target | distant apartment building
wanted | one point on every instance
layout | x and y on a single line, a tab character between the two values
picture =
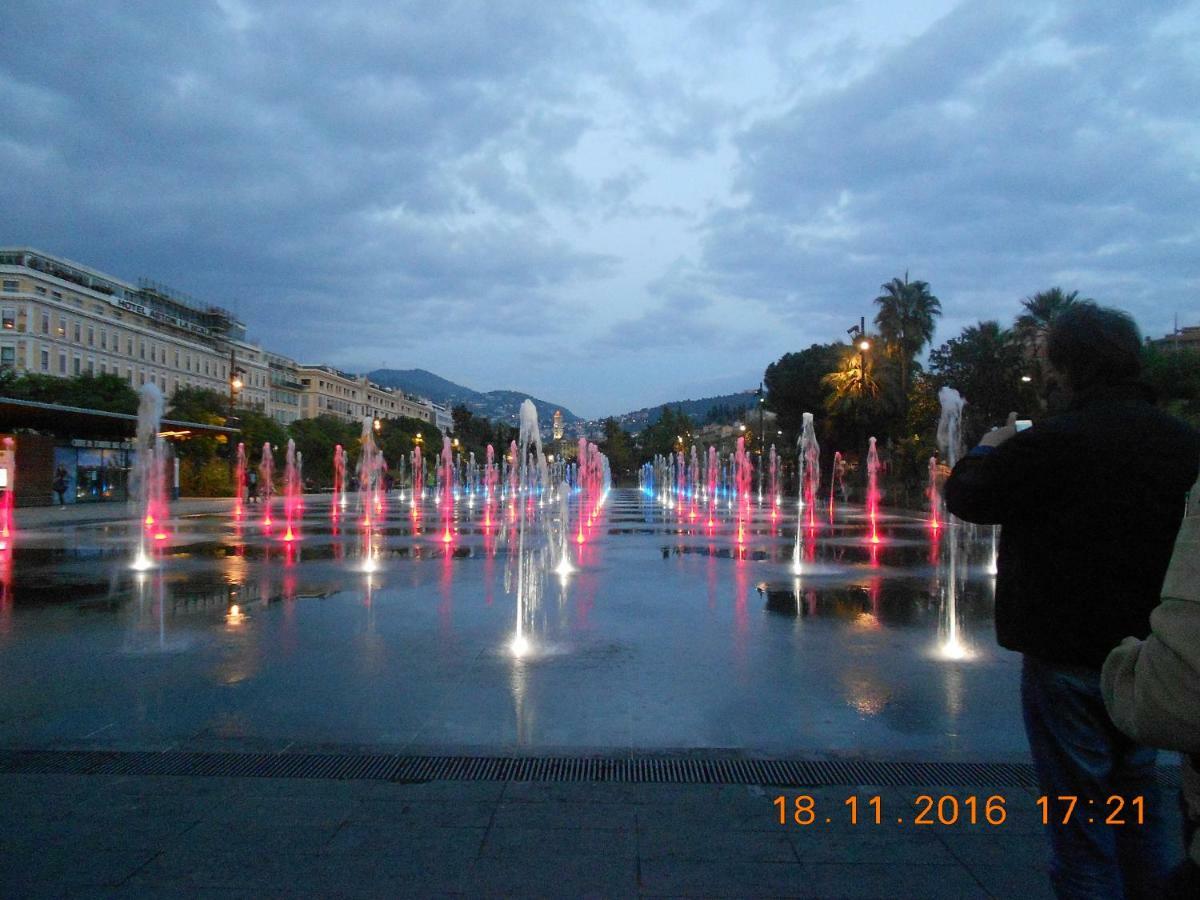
352	398
61	318
1186	338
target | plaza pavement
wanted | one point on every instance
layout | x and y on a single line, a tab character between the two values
151	836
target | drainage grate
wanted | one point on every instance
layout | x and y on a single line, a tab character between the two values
630	770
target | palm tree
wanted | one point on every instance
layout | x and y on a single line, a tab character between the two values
861	391
906	318
1041	310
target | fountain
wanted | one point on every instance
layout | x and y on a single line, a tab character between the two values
530	564
291	492
934	495
808	460
836	477
239	482
339	480
446	478
949	437
370	489
266	481
873	489
149	482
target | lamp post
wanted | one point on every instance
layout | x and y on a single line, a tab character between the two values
762	401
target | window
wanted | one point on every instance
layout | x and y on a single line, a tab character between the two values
45	323
11	287
77	338
57	295
103	339
129	347
45	360
103	367
8	356
78	366
91	366
8	318
142	349
62	363
62	326
129	375
176	359
91	336
40	290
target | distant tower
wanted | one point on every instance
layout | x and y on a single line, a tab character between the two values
558	425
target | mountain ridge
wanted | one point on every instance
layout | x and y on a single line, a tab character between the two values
497	404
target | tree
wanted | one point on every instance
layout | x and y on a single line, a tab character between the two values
863	396
1175	377
107	393
316	439
907	315
204	407
1032	326
617	445
984	364
663	436
795	385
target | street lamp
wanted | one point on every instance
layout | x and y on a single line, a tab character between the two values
378	426
858	334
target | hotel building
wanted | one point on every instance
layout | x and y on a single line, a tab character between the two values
61	318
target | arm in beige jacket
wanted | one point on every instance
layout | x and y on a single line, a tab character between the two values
1152	687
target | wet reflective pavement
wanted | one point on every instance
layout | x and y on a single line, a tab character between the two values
669	634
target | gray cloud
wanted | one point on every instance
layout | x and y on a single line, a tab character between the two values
600	202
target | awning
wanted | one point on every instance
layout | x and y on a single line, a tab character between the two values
77	422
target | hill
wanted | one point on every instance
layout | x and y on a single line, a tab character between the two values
697	410
503	406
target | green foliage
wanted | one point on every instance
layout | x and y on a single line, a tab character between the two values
1175	377
907	315
863	398
795	385
984	364
107	393
725	414
664	435
205	478
396	438
617	445
316	438
205	407
474	433
258	428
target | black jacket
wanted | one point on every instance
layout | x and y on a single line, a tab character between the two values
1090	501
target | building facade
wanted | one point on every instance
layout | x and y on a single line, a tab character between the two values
352	398
62	319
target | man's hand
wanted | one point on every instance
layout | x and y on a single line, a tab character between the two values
998	436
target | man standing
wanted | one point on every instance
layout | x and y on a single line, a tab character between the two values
1090	501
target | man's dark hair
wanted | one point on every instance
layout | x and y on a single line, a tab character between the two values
1094	345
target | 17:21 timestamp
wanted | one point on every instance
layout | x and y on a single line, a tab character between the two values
1115	810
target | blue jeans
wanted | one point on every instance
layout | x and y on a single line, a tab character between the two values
1078	752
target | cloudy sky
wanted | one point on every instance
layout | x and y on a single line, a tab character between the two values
606	203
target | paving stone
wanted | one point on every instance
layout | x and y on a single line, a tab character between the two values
709	841
1012	879
506	842
722	878
889	881
447	812
531	874
974	850
49	868
566	815
869	844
